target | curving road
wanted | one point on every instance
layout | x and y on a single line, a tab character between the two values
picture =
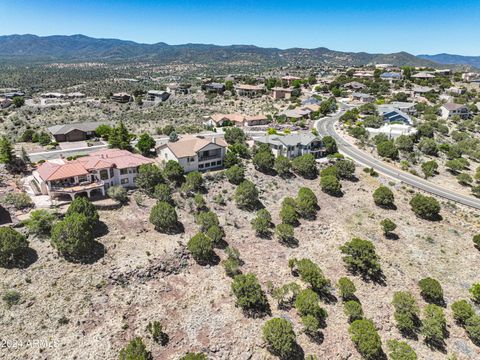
326	126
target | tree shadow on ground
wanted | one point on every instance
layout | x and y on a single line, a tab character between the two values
317	337
101	229
388	207
27	258
222	244
258	312
392	236
97	252
212	261
178	228
290	243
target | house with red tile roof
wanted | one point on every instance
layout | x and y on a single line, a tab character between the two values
95	172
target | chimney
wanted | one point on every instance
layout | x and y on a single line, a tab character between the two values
214	140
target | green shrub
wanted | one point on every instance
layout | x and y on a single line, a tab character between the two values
406	311
282	165
262	222
353	309
305	166
330	185
207	219
135	350
331	170
472	325
18	200
156	330
201	248
193	182
366	339
10	298
307	303
431	291
288	213
200	203
286	294
264	160
330	145
117	193
383	197
41	222
345	168
246	195
311	274
462	311
163	192
235	174
81	205
164	217
311	324
387	149
387	226
12	245
475	292
216	234
347	288
285	233
73	236
148	177
250	296
361	257
433	324
173	172
425	207
280	337
306	203
233	262
400	350
476	241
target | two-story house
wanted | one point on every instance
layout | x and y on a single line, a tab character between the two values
194	153
86	174
293	145
449	110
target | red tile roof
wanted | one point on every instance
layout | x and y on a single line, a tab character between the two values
103	159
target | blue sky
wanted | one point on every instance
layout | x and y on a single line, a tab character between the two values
371	26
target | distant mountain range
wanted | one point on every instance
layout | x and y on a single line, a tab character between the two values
453	59
83	48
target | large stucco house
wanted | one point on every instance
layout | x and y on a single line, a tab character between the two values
194	153
293	145
87	174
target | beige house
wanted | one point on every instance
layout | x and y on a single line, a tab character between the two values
281	93
449	110
194	153
249	90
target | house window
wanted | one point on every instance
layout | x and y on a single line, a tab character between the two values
219	162
111	172
104	174
200	166
123	171
124	181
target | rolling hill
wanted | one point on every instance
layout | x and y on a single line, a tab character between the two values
83	48
453	59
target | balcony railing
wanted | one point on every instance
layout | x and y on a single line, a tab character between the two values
210	157
84	186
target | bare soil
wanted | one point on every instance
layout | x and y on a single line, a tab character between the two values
90	311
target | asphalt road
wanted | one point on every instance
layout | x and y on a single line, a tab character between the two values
326	126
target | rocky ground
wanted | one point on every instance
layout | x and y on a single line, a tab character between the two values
90	311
